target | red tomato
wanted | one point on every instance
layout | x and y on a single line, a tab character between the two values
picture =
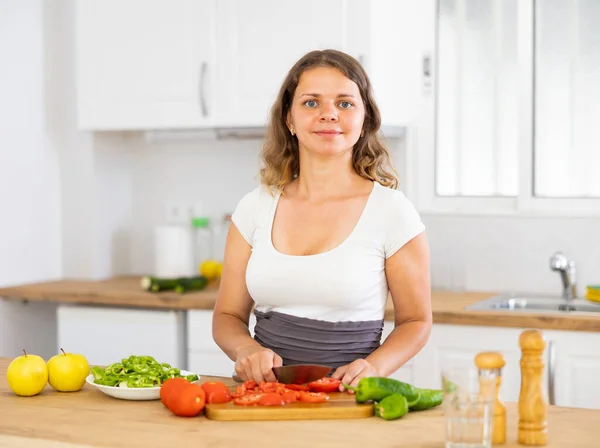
216	392
326	385
271	399
247	400
187	401
297	387
312	397
249	385
289	396
171	388
268	386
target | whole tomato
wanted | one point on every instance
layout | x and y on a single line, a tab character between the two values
171	388
216	392
187	401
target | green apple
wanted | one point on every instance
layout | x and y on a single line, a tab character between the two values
27	375
67	371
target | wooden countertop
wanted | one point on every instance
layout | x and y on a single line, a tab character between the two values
448	307
89	418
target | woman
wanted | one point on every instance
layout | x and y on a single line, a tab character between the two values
319	245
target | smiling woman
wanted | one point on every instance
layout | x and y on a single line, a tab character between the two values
319	245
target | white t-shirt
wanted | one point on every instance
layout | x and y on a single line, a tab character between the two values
346	283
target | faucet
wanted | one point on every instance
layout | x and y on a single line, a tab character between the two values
566	269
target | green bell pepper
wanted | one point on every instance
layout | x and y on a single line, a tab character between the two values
428	398
377	388
392	407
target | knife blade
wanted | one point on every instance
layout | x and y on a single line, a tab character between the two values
296	374
300	373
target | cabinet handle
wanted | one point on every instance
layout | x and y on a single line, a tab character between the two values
203	70
551	372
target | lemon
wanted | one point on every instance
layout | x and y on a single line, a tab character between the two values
211	269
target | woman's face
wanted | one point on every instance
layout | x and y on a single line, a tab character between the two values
327	112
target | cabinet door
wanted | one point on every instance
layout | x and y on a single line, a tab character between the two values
145	63
576	368
258	43
106	335
205	357
457	345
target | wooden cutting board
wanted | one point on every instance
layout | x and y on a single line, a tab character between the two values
340	405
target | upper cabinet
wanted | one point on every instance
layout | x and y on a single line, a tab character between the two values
168	64
260	40
145	64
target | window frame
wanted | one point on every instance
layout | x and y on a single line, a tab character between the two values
421	144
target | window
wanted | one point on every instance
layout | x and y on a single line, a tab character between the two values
567	98
509	125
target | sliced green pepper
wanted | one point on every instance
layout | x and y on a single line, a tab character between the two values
392	407
137	372
377	388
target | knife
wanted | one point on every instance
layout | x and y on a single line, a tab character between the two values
297	374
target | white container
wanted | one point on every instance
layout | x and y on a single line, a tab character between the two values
173	252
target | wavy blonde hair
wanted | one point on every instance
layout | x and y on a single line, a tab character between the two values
280	155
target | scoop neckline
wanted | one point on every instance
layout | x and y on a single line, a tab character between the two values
346	241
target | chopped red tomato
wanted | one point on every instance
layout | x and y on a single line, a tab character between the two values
269	386
271	399
326	385
289	396
313	397
297	387
247	400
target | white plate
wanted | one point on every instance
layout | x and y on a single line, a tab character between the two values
132	393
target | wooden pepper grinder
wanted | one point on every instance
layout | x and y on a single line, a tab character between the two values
533	407
495	361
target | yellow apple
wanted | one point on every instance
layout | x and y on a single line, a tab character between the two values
67	371
27	375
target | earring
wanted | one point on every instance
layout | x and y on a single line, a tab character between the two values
292	131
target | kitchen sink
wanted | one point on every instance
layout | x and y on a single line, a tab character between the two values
532	303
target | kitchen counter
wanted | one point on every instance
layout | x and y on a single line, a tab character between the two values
89	418
448	307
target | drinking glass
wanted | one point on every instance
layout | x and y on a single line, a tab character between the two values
468	406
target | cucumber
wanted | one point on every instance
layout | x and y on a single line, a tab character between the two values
180	285
155	284
191	284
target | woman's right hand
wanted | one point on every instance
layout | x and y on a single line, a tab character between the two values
256	363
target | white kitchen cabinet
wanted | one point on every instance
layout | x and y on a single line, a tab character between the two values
145	63
204	355
106	335
163	64
260	40
576	360
577	368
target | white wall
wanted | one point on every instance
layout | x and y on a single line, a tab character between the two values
481	253
30	243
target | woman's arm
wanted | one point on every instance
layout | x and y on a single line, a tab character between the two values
407	273
408	278
232	313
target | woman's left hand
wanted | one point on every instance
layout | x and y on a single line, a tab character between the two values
352	373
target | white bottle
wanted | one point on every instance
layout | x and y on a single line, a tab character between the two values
202	241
